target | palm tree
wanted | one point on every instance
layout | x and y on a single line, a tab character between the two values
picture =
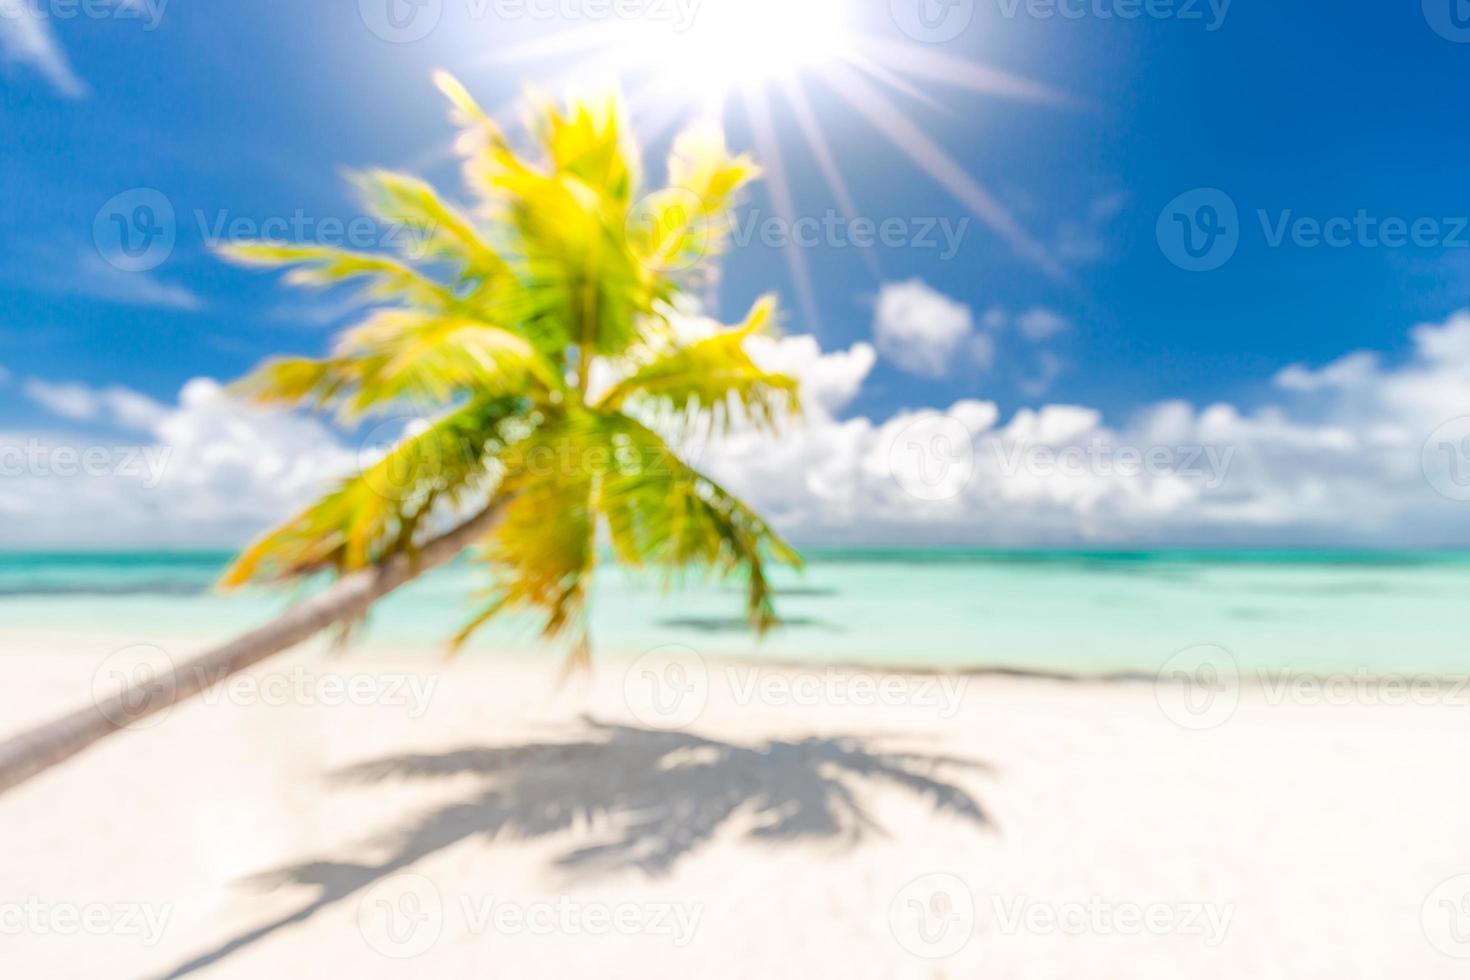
543	332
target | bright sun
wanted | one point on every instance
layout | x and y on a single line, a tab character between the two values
708	58
730	44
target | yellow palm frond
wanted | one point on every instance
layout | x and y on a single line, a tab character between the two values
322	267
375	513
713	378
434	230
401	356
494	316
665	513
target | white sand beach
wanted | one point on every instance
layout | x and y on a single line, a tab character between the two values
417	818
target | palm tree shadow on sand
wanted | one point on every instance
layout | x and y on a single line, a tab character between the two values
650	797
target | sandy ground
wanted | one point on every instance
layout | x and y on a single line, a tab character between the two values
389	815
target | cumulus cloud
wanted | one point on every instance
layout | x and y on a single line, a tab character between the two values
1038	324
1356	452
208	470
1358	470
98	278
26	38
922	330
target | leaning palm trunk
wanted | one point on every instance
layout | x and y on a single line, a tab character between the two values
347	599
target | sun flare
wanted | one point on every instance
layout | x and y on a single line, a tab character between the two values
731	44
710	58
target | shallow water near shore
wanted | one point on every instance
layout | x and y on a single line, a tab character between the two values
1084	612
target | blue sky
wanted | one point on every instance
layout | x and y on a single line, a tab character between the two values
255	110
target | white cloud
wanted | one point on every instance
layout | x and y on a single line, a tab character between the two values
1038	324
1049	367
206	471
98	278
1346	372
27	39
1290	473
1339	463
119	406
920	329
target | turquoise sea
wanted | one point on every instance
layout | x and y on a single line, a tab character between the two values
1089	612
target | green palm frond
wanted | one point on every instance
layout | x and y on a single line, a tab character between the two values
377	512
714	378
322	266
493	316
435	230
401	358
664	513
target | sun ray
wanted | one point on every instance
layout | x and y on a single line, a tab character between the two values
959	73
769	150
914	143
746	52
806	119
